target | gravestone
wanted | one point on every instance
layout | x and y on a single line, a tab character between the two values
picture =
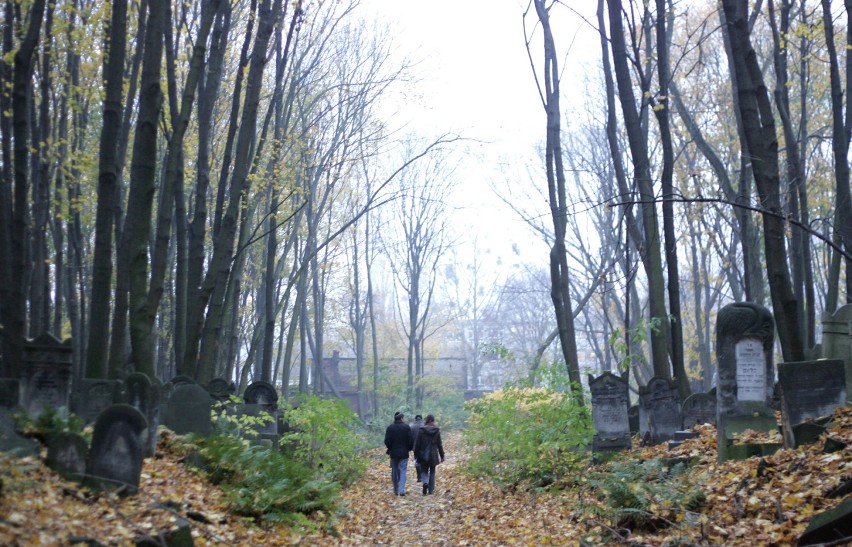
115	457
94	397
659	409
181	380
221	389
188	410
9	394
46	374
261	393
144	394
745	333
14	444
699	408
633	419
837	340
66	454
809	389
256	421
610	401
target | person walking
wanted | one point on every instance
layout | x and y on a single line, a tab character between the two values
429	452
415	429
398	442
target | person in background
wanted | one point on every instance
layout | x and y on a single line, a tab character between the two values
415	429
398	442
429	452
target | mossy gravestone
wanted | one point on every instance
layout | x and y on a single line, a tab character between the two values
66	454
837	340
809	390
46	380
745	333
659	410
115	457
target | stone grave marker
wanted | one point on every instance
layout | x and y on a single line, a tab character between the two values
14	444
9	394
66	454
745	333
144	394
261	393
182	379
94	396
256	421
46	374
699	408
659	409
809	390
837	340
188	410
610	402
115	457
221	389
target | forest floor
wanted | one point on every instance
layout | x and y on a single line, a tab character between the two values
766	501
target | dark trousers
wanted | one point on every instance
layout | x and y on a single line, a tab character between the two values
427	476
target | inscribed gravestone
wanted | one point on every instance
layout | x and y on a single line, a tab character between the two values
809	389
115	457
144	394
837	340
261	393
699	408
220	389
659	409
188	410
610	402
66	454
745	334
46	378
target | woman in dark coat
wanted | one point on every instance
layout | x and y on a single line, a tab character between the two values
429	451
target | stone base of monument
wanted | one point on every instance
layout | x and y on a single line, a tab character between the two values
757	422
809	432
681	436
611	444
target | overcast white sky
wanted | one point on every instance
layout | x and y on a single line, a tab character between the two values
475	80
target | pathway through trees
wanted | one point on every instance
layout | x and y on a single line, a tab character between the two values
463	510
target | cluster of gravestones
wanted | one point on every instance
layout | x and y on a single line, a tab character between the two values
745	398
125	415
746	395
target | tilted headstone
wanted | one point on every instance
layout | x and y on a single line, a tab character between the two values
809	389
659	409
115	457
144	394
221	389
745	333
94	396
46	376
188	410
610	401
699	408
66	454
261	393
837	340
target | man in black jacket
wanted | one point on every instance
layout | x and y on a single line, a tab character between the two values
398	442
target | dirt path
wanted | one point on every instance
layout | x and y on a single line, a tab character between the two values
463	511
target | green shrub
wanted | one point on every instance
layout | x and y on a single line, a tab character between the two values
326	437
644	495
50	422
262	483
527	435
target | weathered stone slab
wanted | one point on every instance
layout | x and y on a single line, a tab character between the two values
46	376
115	457
95	396
610	402
14	444
829	526
143	393
659	410
699	408
809	390
66	454
221	389
837	340
188	410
